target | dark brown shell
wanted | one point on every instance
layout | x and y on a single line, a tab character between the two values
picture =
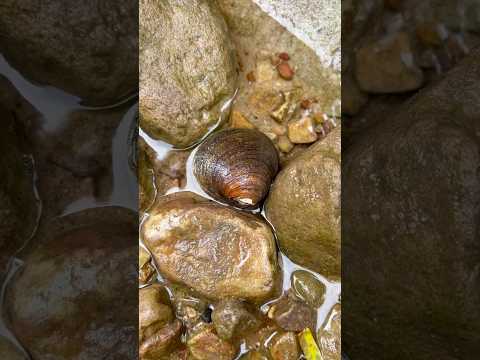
236	166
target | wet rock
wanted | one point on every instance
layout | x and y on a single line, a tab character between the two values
288	106
260	40
158	331
181	354
18	204
82	148
256	341
9	351
308	288
189	307
292	314
89	49
159	175
206	345
431	33
215	250
302	131
472	12
146	178
70	299
285	347
145	267
353	99
330	335
187	69
388	66
231	317
411	239
254	355
304	207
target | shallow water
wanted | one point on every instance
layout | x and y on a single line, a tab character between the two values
333	289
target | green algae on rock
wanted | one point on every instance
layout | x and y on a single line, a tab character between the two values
187	69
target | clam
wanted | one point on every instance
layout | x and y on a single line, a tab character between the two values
236	166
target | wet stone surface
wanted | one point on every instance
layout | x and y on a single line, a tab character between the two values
98	257
216	250
403	153
304	207
101	70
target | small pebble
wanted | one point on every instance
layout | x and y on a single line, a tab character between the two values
251	76
284	56
308	288
302	131
238	121
274	60
319	118
284	346
284	144
146	270
293	315
285	71
306	104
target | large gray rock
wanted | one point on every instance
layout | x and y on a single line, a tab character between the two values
304	207
187	69
88	48
411	250
215	250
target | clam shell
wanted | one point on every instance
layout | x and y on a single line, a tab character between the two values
236	166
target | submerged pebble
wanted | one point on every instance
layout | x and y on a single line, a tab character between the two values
158	329
308	288
284	346
292	314
231	317
205	344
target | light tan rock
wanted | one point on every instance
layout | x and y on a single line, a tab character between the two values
304	207
187	69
